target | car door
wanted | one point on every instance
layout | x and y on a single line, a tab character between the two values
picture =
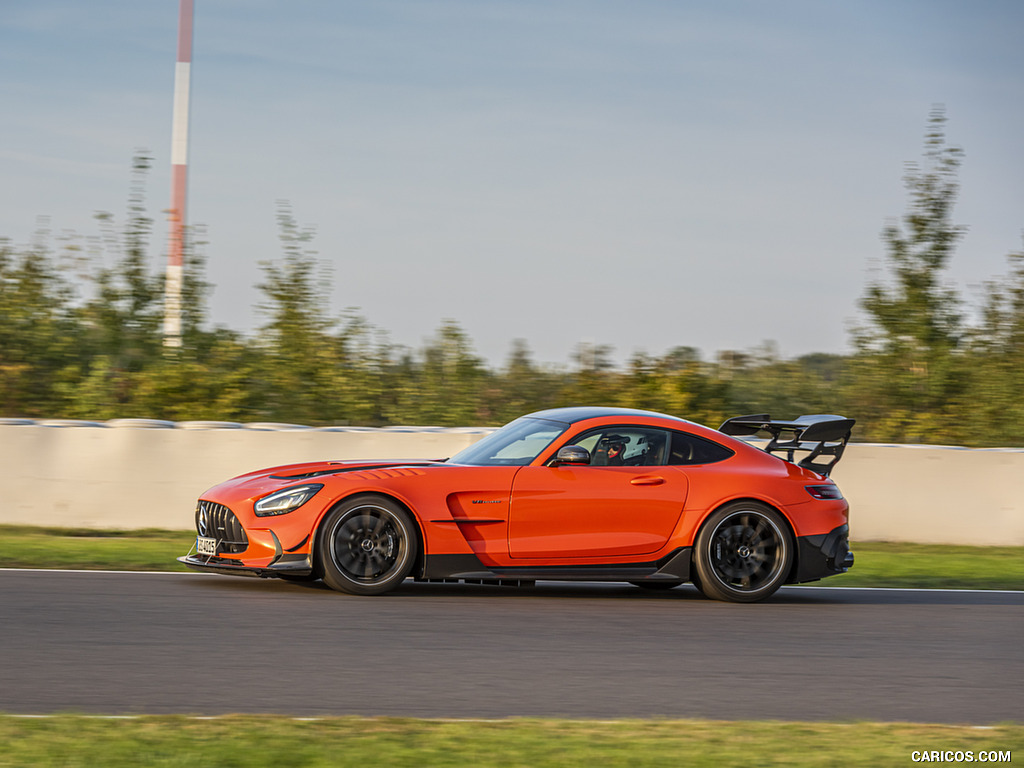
625	503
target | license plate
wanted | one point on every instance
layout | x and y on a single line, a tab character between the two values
206	546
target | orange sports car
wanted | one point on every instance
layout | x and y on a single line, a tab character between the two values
583	494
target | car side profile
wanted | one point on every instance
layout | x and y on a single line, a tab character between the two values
577	494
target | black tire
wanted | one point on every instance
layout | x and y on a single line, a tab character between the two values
743	553
657	586
367	546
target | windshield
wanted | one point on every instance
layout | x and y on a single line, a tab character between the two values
514	445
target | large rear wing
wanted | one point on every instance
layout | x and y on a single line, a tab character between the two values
819	435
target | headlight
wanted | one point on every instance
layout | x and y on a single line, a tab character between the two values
286	500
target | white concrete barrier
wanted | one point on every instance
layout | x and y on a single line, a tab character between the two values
146	474
105	477
934	495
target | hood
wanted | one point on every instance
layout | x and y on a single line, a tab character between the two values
300	472
255	484
312	469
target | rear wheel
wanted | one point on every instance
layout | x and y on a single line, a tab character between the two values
367	547
743	553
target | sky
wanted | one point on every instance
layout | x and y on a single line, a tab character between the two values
644	174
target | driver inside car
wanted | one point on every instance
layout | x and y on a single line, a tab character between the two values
610	450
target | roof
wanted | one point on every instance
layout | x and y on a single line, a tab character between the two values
583	412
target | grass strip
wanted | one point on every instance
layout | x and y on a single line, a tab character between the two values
878	564
932	566
243	740
24	546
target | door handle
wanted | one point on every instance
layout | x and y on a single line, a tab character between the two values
647	480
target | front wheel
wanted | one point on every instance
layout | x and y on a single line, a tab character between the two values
367	547
743	553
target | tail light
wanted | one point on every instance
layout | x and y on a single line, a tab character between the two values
824	492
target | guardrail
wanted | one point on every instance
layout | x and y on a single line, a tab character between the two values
146	473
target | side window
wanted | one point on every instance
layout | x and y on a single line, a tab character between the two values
589	441
690	449
625	446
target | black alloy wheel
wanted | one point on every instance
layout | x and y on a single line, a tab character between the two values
367	547
743	554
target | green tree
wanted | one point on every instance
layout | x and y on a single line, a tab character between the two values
446	387
364	373
122	320
300	358
38	334
990	410
786	388
219	381
907	368
521	386
195	294
594	380
664	384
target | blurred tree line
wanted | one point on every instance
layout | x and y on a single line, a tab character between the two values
79	340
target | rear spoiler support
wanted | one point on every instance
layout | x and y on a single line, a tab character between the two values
819	435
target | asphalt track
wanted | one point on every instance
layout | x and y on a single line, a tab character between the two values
118	643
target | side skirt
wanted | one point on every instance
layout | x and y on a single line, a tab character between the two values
674	567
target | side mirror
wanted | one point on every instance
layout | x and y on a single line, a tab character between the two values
571	455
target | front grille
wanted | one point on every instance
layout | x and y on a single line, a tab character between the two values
218	522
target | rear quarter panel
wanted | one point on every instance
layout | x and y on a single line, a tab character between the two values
754	474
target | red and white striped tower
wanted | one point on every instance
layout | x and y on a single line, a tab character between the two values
179	178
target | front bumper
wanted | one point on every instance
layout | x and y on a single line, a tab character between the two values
826	554
282	566
240	550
